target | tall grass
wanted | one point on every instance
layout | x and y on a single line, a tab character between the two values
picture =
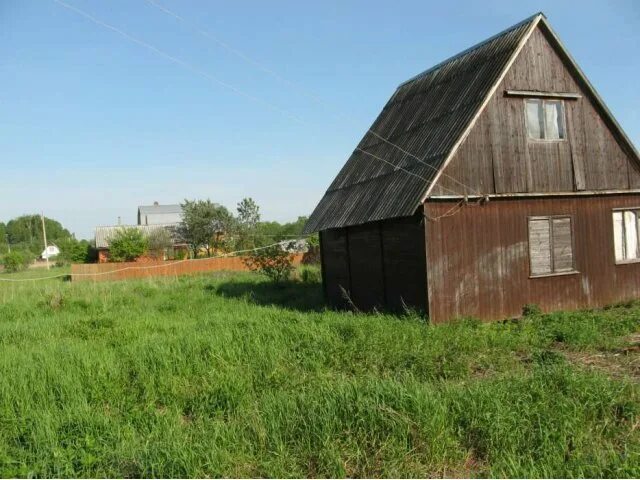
229	375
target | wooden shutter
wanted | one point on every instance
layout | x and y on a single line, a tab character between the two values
631	235
562	245
618	235
540	245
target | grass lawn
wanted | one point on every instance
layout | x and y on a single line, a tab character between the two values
228	375
35	273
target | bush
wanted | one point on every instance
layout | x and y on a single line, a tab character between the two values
74	251
16	261
160	243
531	310
127	245
274	262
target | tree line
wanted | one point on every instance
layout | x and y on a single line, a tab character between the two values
207	228
21	242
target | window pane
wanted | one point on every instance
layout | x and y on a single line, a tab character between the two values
535	122
554	120
618	235
631	235
562	245
540	246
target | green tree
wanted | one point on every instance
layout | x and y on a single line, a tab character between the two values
3	238
247	222
127	245
160	241
204	225
270	232
75	251
26	232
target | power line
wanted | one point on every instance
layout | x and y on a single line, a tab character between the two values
177	60
394	165
200	72
301	89
235	51
425	163
141	267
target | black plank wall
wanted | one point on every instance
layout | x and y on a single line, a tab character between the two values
380	265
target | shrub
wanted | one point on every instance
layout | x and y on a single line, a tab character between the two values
127	245
274	262
531	310
74	251
160	242
16	261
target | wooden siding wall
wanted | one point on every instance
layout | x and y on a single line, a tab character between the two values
478	259
379	264
498	157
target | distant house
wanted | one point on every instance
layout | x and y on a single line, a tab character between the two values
495	179
50	252
157	214
103	236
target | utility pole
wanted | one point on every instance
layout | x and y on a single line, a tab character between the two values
44	234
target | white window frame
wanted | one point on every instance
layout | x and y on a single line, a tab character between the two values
573	270
563	119
636	211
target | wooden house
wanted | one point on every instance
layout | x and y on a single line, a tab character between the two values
496	179
104	235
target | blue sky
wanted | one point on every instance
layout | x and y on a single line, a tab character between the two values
94	125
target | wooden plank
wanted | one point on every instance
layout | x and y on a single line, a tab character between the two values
562	245
540	246
536	94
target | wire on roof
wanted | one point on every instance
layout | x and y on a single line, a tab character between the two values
236	90
177	60
310	94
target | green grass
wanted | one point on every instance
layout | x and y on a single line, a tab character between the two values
229	375
36	273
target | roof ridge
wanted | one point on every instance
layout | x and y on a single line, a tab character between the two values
136	225
472	48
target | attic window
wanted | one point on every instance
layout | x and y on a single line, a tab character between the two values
551	246
626	235
545	119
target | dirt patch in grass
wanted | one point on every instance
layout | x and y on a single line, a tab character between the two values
623	362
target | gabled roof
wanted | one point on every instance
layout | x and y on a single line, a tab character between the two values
105	234
162	209
394	166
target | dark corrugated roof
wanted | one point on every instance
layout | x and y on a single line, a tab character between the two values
425	117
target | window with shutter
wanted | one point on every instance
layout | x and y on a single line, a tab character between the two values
551	245
626	235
